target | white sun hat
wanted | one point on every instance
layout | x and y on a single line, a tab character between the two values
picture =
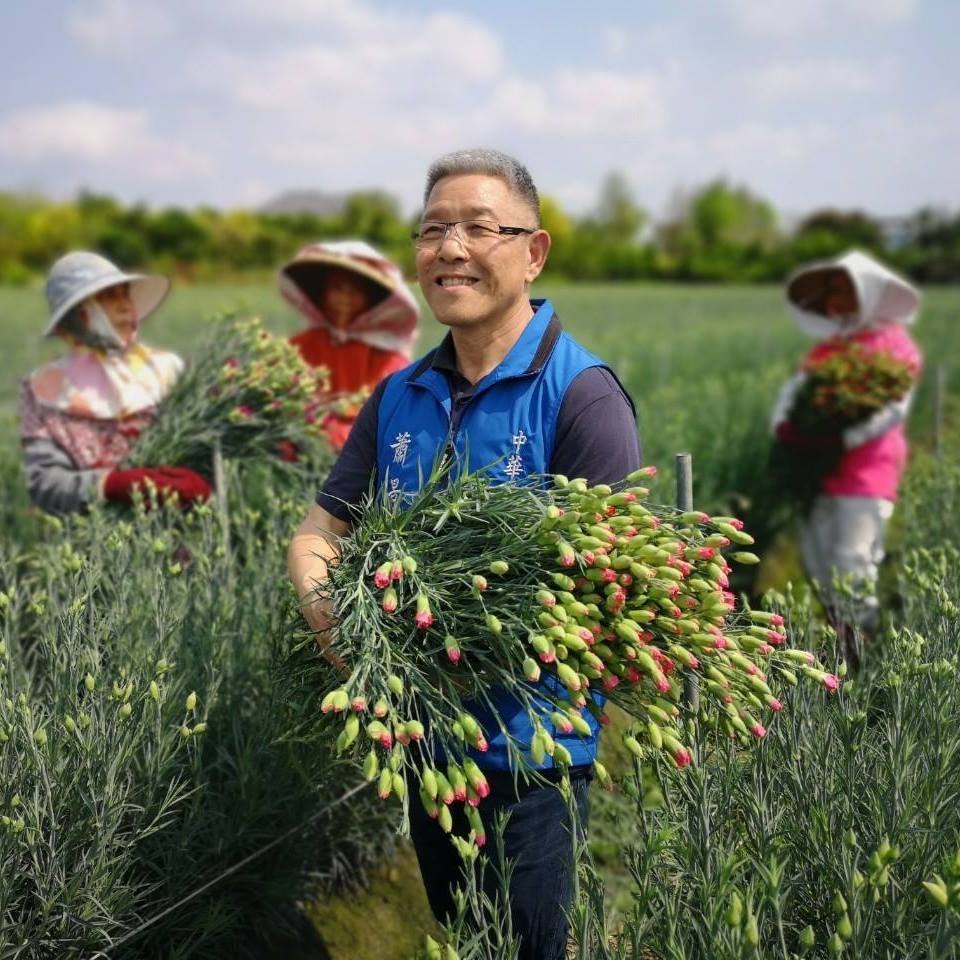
79	275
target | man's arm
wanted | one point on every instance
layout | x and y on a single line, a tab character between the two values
314	545
317	539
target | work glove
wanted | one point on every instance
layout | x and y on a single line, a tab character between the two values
119	485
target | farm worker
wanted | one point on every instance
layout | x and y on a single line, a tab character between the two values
362	320
852	299
80	414
508	387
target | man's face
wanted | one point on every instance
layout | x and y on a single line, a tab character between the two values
469	283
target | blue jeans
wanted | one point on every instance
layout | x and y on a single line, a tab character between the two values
537	842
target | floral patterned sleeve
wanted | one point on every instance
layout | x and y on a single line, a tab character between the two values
54	481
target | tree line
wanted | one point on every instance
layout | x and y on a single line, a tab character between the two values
718	232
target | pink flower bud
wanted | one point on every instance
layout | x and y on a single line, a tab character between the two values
358	704
758	730
831	681
682	758
775	705
389	603
452	648
396	570
424	617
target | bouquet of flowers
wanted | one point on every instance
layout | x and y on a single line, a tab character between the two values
249	391
555	593
846	384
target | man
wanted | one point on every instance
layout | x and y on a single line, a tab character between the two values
508	387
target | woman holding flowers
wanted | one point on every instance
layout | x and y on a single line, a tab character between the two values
80	414
845	410
362	321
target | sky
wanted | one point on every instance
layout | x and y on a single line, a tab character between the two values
811	103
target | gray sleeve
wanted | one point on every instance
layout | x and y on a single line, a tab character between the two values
53	480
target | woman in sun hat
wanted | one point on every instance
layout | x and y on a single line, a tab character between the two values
80	414
851	302
362	320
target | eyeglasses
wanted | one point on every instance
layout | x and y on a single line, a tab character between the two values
471	233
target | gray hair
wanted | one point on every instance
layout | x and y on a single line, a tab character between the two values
492	163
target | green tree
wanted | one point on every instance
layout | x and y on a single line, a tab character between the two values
618	216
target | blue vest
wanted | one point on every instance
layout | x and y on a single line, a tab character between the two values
510	423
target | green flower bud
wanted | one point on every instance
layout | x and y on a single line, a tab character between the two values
839	904
845	927
735	910
938	893
69	724
126	709
835	945
499	567
154	691
807	938
191	702
199	728
89	683
395	684
371	766
40	737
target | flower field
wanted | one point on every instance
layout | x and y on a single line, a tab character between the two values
167	774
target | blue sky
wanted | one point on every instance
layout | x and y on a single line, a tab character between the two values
851	103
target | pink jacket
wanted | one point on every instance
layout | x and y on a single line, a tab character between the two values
873	468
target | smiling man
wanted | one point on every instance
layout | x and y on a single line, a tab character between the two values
511	387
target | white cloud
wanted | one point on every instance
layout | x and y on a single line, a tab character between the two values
118	27
86	131
813	78
789	19
93	136
745	147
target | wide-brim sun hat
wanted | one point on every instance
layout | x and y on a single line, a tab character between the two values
82	274
883	296
307	268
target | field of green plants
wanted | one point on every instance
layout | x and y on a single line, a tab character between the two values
165	782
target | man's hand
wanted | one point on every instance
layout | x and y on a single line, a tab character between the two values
313	546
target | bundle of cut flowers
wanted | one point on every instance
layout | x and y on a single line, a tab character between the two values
846	384
247	390
567	595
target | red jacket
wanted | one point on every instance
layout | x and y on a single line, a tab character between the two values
353	366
